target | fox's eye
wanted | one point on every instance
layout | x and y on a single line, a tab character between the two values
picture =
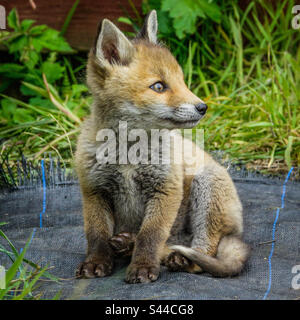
158	87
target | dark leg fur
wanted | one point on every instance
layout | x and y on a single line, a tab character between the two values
98	225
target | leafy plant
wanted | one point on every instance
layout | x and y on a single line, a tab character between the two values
27	41
42	100
185	14
181	17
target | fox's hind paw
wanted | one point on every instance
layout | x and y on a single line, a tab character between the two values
123	243
175	261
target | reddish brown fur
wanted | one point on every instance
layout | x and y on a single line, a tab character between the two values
150	63
113	83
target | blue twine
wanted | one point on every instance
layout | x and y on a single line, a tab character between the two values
273	233
44	193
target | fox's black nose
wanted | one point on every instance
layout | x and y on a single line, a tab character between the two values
201	108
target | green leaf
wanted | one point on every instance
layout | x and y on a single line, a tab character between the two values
18	44
186	12
35	88
26	105
41	102
8	108
22	115
26	91
29	85
13	19
77	89
26	24
31	59
51	39
125	20
53	71
37	30
210	9
37	44
12	70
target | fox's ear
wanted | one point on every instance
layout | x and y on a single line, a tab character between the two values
112	45
149	29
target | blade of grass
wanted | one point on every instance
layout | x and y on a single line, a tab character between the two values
69	18
62	108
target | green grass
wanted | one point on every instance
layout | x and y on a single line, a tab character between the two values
21	279
249	76
43	99
246	68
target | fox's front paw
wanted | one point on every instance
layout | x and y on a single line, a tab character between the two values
142	273
123	243
94	267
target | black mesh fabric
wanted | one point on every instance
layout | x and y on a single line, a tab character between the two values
60	242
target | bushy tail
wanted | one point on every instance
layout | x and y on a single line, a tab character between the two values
231	257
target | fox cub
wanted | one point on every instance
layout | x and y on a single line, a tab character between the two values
156	213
